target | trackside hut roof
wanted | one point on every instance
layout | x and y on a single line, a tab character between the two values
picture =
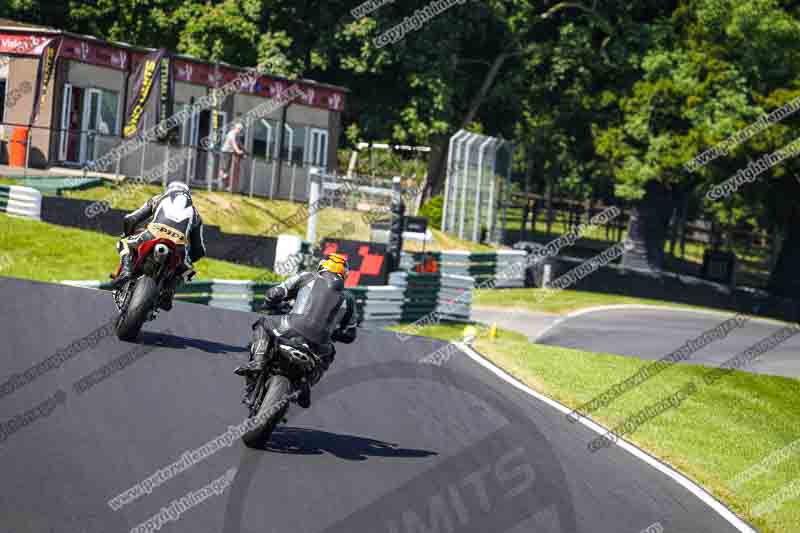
25	40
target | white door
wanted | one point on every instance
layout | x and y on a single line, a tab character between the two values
307	147
268	127
90	121
66	105
248	133
319	147
190	136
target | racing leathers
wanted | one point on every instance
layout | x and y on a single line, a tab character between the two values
321	314
170	215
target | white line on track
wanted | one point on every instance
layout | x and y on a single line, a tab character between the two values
676	476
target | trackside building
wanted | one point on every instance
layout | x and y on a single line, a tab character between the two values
83	113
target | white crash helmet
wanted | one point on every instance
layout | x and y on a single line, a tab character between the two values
178	186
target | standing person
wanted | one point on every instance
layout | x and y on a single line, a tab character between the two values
231	150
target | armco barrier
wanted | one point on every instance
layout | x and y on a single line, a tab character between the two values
227	294
379	305
21	201
410	296
482	266
375	305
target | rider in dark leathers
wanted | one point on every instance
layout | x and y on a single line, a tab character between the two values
322	313
172	216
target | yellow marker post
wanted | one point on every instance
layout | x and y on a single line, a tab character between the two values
469	335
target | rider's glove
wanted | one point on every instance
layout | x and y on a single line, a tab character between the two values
128	225
274	295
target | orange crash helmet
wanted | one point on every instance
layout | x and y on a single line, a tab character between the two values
336	263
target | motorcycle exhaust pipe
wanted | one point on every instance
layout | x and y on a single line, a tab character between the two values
161	251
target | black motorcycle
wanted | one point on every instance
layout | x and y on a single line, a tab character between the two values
289	362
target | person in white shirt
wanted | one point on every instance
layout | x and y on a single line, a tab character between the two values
230	147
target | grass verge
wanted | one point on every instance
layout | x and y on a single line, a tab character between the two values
237	213
45	252
713	436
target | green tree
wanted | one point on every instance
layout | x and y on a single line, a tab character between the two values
708	70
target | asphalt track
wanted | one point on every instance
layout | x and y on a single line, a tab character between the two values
389	445
654	333
529	323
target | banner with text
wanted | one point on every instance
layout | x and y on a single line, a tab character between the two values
44	73
146	75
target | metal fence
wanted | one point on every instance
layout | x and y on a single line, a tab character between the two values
365	193
478	171
162	163
537	217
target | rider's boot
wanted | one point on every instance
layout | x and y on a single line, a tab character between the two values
258	351
167	294
125	272
255	366
304	399
326	356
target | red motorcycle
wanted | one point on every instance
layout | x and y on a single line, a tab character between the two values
156	264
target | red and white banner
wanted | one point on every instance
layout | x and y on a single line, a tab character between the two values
203	74
101	55
110	56
29	45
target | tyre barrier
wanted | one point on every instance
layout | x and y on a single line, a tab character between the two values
487	268
409	297
448	296
21	201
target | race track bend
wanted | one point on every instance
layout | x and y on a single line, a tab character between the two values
389	445
652	332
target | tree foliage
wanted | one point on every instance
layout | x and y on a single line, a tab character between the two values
599	97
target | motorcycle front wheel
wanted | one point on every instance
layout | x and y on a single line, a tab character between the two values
142	301
272	410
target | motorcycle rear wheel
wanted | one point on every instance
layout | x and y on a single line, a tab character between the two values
142	301
278	388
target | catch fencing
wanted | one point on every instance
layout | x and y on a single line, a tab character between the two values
201	168
277	175
21	201
369	195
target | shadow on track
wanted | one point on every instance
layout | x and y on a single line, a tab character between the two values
177	342
299	441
